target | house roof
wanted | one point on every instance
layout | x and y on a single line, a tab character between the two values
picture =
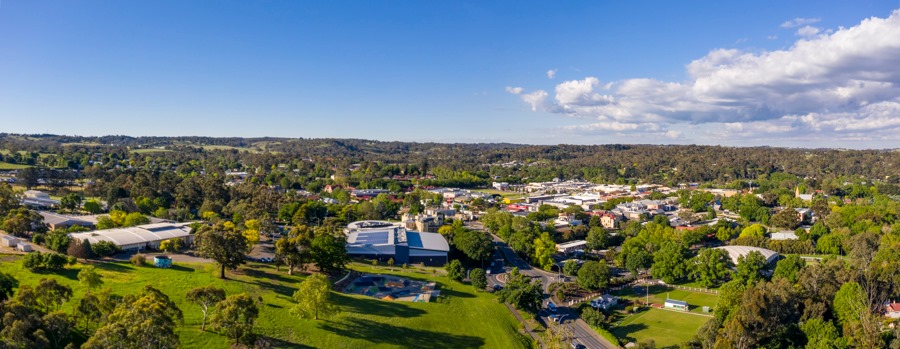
894	307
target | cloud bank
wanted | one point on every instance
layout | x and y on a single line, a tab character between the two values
841	84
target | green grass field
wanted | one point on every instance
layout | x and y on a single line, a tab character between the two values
666	328
9	166
150	151
228	147
462	318
658	294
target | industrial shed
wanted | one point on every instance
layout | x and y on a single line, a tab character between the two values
141	237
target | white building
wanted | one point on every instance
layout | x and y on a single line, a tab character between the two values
736	252
8	241
141	237
571	246
34	198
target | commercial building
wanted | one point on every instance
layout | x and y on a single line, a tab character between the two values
38	199
60	221
572	246
405	247
141	237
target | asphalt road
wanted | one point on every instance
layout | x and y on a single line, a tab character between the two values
581	331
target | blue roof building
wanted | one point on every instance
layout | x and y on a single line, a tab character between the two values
405	247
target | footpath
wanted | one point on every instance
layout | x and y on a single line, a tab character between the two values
528	328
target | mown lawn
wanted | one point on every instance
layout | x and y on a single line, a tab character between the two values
666	328
462	318
658	294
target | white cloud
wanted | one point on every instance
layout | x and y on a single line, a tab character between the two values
535	99
799	21
808	31
772	37
514	90
838	84
551	73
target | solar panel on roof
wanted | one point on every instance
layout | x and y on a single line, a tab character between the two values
373	238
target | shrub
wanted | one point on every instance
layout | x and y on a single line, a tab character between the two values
104	248
594	317
138	260
38	238
39	261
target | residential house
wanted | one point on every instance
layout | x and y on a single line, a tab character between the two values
892	310
604	302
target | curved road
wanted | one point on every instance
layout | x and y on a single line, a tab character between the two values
581	331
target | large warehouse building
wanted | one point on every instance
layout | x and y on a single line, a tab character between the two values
405	247
141	237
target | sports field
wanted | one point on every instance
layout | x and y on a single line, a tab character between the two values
665	327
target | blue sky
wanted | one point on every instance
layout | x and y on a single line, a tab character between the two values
781	73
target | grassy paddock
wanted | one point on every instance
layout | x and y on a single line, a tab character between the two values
461	318
666	328
9	166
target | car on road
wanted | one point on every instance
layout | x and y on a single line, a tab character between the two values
576	345
498	287
551	307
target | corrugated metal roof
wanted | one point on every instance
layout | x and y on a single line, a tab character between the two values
677	302
427	241
138	234
736	252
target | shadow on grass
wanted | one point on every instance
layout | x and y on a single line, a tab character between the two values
375	307
181	268
265	274
277	343
70	274
380	333
277	288
114	266
623	332
446	291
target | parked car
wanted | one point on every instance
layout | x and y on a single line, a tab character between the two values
551	307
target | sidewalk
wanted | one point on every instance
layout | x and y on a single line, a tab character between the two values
528	329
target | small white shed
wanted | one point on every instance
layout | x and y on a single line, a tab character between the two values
8	241
23	247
